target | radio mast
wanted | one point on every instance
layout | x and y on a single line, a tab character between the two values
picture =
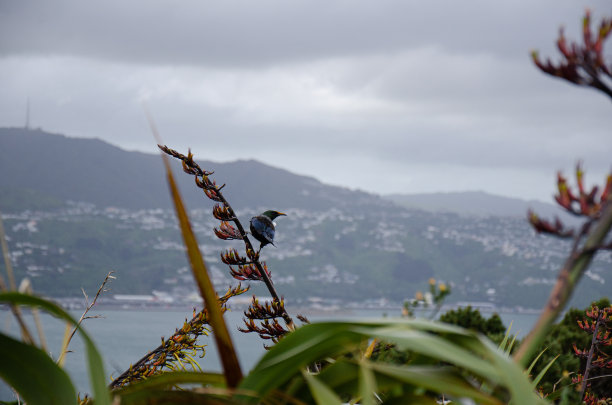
27	121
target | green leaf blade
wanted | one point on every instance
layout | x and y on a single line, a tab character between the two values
33	374
321	392
95	363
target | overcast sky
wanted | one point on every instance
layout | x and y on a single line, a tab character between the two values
383	96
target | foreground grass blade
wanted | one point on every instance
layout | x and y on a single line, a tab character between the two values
541	374
504	345
367	384
295	351
513	377
533	363
320	392
33	374
463	350
94	360
225	347
435	379
343	377
156	389
439	348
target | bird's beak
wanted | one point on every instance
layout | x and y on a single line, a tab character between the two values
280	213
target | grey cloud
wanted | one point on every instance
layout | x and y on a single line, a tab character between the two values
243	33
388	96
456	126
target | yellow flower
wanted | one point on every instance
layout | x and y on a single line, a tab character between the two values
419	296
442	287
432	281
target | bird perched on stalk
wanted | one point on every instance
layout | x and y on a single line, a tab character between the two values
262	227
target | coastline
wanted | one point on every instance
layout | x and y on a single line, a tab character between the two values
349	309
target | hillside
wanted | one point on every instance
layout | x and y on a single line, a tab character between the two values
94	207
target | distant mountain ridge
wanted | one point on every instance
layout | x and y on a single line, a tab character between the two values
477	203
44	168
94	171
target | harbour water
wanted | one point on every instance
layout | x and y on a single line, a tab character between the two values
124	336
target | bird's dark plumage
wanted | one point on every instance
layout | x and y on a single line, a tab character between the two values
262	227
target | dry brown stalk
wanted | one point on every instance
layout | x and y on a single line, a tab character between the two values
26	287
88	307
25	333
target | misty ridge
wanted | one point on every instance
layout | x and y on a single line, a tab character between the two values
102	181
